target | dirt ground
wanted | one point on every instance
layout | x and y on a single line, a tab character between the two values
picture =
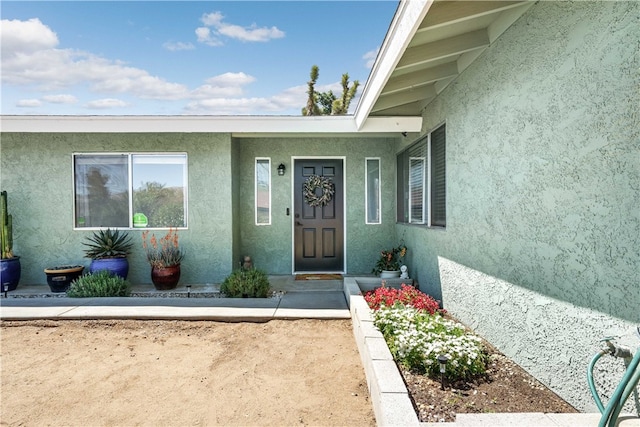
181	373
506	387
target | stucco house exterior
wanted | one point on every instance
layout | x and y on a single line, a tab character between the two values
499	140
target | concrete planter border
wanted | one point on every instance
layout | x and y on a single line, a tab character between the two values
389	396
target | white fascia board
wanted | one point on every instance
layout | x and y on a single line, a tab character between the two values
406	22
207	124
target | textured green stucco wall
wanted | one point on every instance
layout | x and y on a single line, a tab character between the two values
541	249
37	173
270	246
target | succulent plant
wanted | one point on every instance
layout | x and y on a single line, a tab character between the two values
108	244
6	230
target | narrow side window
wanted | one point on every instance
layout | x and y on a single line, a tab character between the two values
263	191
372	191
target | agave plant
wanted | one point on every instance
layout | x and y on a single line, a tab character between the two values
108	244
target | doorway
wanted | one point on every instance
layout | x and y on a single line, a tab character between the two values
318	215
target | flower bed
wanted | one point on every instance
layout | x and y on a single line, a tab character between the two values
416	332
403	396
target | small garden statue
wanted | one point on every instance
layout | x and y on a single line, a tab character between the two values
246	262
404	274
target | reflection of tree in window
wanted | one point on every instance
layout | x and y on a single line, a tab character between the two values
107	208
262	191
164	207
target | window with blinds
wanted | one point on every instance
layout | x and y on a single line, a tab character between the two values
422	181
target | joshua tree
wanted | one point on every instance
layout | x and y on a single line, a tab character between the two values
329	104
341	106
312	106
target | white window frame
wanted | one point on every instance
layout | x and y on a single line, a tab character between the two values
366	191
427	170
129	156
255	181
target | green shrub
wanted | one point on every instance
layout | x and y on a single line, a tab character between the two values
250	282
99	284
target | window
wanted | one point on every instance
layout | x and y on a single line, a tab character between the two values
421	181
263	191
110	189
372	191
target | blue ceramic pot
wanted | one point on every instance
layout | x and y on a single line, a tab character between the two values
10	271
117	266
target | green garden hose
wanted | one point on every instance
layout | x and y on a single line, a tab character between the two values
592	385
627	385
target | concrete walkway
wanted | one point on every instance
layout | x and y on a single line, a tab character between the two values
315	299
318	299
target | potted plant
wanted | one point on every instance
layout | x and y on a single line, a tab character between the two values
388	265
164	256
60	277
10	268
108	250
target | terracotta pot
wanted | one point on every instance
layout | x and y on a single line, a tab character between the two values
165	278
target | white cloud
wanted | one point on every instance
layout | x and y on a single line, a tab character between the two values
25	36
224	85
60	99
204	36
176	46
31	59
370	57
29	103
229	106
212	19
50	69
292	99
227	79
252	33
101	104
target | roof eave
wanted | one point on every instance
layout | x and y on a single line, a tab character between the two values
237	125
406	22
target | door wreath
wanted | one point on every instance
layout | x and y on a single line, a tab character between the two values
312	184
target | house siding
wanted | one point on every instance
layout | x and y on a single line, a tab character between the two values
541	250
271	246
37	173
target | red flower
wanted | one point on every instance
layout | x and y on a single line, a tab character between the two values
406	295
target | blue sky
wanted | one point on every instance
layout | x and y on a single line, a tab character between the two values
183	57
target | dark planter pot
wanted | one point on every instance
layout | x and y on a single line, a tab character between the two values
59	278
166	278
117	266
10	271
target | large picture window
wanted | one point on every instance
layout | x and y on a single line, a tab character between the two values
421	181
111	189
